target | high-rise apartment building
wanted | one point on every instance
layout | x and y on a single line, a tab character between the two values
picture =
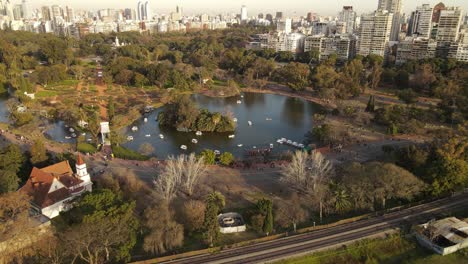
421	21
374	34
144	11
244	15
26	9
394	7
17	12
348	16
284	26
448	30
279	15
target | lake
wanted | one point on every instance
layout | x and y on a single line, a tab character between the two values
272	116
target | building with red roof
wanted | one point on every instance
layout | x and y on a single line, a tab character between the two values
54	187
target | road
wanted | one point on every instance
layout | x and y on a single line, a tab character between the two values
335	236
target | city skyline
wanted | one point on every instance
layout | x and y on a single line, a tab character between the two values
254	7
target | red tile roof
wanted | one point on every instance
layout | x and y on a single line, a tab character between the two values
40	181
79	160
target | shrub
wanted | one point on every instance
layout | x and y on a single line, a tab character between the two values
209	156
226	158
127	154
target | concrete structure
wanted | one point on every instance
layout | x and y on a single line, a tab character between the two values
231	223
53	188
444	236
105	133
348	16
280	41
421	21
394	7
144	11
374	35
459	52
436	13
415	48
326	46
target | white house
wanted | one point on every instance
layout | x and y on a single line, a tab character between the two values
52	188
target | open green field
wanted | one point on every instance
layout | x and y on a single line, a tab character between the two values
392	250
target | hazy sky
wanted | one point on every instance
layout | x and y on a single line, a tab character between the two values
290	7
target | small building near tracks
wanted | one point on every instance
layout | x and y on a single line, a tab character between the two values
443	236
231	223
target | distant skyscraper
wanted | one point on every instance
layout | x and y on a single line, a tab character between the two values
26	9
6	8
348	16
394	7
17	12
144	11
279	15
421	21
70	14
269	17
56	12
45	11
374	33
244	14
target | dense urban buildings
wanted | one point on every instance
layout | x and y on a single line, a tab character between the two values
423	33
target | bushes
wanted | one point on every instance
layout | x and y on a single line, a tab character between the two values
226	158
124	153
86	148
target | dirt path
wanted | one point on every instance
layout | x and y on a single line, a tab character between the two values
101	89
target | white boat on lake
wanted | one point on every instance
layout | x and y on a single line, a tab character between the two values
194	141
239	102
130	138
271	146
183	147
250	123
147	135
135	128
161	136
217	152
73	135
145	120
83	134
231	136
71	130
235	120
198	133
240	145
268	119
67	137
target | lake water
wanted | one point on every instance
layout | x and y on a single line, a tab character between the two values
272	117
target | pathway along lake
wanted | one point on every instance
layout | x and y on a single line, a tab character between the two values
272	116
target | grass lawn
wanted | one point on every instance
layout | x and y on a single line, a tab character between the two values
44	94
392	250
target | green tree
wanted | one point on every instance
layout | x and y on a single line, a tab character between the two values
101	227
295	75
408	96
214	204
265	207
8	181
38	153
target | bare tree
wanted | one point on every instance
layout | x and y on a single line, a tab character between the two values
194	169
169	180
290	213
194	215
309	174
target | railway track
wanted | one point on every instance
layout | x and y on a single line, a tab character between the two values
288	246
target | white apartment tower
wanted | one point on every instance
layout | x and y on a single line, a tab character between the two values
244	14
348	16
144	11
374	34
284	26
394	7
421	21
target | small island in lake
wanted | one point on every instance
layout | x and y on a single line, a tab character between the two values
184	115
